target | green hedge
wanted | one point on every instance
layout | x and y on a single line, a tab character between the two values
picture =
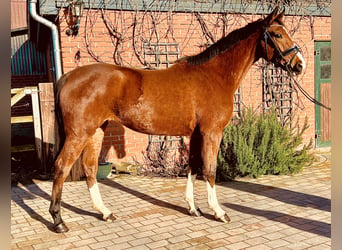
257	144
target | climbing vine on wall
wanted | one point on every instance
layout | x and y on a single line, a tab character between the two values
136	22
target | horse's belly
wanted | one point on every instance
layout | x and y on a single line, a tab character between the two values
149	121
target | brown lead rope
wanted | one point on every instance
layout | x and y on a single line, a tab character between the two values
306	94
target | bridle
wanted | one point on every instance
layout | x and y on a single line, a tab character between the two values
280	55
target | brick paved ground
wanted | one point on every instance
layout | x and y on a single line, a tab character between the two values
272	212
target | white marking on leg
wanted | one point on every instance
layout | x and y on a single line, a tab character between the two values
189	193
98	202
212	201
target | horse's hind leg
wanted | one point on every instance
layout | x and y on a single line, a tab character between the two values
90	164
71	150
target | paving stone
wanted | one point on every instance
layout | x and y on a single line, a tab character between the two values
179	238
216	236
140	242
118	246
101	244
67	240
259	247
218	243
277	243
179	245
284	212
85	242
157	244
238	245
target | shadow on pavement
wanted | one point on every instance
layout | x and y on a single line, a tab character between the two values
280	194
308	225
33	191
151	199
285	196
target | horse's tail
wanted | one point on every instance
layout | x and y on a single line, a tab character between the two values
59	124
76	171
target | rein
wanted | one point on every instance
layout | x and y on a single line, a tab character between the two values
306	94
281	56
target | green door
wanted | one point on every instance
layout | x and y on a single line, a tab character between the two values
323	92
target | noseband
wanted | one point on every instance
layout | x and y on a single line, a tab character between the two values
281	55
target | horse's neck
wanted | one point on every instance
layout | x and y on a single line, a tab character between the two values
232	65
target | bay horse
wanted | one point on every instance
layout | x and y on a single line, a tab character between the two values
193	97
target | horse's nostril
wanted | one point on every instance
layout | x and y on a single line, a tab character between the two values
299	67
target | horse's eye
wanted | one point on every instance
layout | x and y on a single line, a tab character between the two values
278	35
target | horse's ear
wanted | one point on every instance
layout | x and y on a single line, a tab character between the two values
272	16
281	15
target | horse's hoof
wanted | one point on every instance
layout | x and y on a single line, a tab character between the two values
224	218
61	228
110	217
197	212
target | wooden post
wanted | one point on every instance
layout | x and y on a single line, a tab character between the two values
47	107
36	122
18	95
22	119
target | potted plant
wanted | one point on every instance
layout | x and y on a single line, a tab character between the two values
104	170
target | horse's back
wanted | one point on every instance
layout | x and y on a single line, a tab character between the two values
144	100
171	101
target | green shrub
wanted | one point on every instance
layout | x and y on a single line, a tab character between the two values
258	144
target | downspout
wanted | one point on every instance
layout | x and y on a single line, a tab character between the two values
55	37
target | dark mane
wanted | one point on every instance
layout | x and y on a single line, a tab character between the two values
222	45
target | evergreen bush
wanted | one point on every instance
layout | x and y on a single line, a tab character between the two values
258	144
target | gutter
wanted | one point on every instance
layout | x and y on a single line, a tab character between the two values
55	37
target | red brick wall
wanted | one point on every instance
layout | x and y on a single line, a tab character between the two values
123	144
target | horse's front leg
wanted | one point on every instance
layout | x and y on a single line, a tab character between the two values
210	147
195	161
189	195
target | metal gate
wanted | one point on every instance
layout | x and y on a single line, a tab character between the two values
237	104
160	55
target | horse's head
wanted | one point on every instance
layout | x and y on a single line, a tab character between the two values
278	46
